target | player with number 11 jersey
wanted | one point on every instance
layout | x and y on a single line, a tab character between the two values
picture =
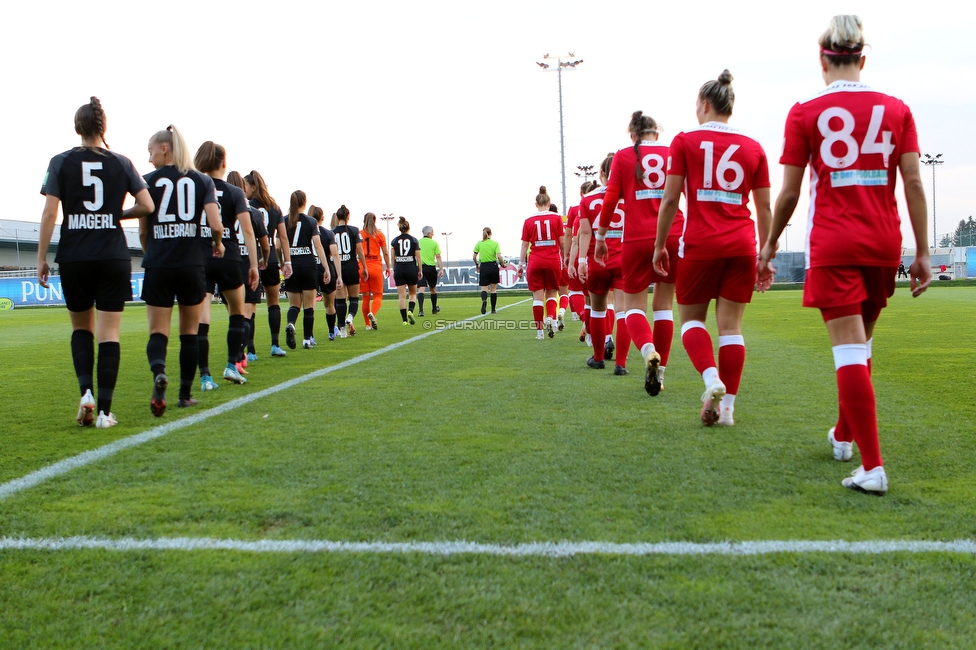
544	232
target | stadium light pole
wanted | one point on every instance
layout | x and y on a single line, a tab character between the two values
933	162
786	233
388	217
447	245
585	172
560	65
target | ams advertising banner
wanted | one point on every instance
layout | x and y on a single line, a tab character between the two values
28	292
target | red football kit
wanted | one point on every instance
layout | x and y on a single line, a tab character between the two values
544	230
601	278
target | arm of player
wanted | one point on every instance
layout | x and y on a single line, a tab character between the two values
334	252
284	250
610	198
420	265
244	221
584	234
477	262
143	207
389	265
440	266
760	198
317	243
573	256
265	252
216	227
785	205
362	260
665	217
522	254
921	269
48	216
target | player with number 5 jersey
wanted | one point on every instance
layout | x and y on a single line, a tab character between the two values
855	140
544	232
718	168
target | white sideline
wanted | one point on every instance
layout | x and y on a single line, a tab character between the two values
535	549
86	458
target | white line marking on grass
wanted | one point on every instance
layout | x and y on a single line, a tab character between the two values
86	458
536	549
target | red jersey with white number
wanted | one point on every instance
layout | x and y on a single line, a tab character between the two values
643	196
544	230
852	137
571	218
591	209
721	167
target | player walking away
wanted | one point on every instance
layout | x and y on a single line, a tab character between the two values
718	167
279	259
351	256
91	182
375	252
224	273
327	289
433	269
305	244
406	269
175	264
487	259
563	274
575	284
252	297
577	292
855	140
544	232
601	277
641	185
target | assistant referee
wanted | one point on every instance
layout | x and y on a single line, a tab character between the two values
432	268
487	259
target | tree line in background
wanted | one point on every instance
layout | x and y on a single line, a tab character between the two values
965	235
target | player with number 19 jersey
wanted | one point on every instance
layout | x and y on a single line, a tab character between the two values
853	137
721	167
544	231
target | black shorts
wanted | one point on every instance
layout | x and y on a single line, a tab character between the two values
330	287
488	274
187	285
403	277
251	296
302	279
104	284
223	274
350	273
271	276
430	276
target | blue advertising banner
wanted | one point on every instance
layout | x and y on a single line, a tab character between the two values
971	261
27	291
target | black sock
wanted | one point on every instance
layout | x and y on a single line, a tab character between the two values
403	314
247	335
274	322
203	342
420	297
235	337
412	304
330	319
340	305
293	315
353	307
308	322
494	299
108	374
83	354
156	351
189	355
484	296
433	300
250	338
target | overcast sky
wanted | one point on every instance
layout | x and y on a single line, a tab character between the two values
437	111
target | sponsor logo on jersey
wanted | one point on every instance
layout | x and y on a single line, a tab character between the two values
715	196
91	221
545	242
649	194
864	177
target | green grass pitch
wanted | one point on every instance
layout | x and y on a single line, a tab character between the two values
489	436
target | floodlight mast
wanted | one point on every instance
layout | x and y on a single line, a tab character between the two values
933	162
559	66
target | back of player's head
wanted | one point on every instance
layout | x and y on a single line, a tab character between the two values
843	41
719	93
369	223
255	180
428	231
173	139
641	125
542	200
209	157
403	225
234	178
295	206
553	207
90	121
605	165
316	213
485	233
590	186
342	214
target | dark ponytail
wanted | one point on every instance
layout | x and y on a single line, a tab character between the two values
295	208
639	125
90	121
719	93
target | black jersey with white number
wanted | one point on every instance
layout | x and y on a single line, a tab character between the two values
271	217
300	240
91	184
346	239
405	249
257	225
328	239
174	225
231	202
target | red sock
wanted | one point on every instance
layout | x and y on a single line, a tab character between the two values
537	314
639	329
663	334
551	307
564	302
623	342
731	359
698	345
598	321
577	303
858	409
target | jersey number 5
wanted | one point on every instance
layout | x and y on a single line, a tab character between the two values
88	179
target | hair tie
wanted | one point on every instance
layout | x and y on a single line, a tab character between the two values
852	52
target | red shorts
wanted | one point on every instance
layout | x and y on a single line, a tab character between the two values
638	264
861	290
600	279
563	277
542	278
576	285
731	278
